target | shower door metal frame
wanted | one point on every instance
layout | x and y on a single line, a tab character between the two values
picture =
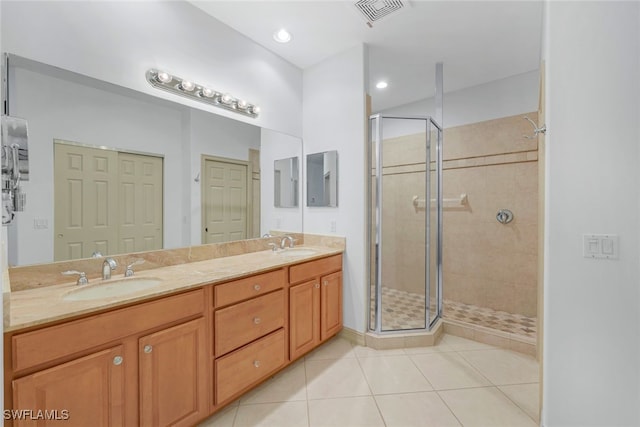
429	121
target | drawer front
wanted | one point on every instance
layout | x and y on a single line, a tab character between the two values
239	290
47	344
309	270
242	323
237	371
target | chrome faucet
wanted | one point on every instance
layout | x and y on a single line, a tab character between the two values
283	242
129	270
108	265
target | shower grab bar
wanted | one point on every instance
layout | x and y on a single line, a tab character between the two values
419	204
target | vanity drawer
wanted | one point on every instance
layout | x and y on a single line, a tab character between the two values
239	290
309	270
248	365
242	323
54	342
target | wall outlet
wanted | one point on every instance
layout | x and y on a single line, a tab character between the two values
278	223
600	246
333	226
40	223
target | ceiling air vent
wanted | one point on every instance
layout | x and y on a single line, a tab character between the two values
375	10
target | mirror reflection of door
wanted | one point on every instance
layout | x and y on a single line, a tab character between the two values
105	201
225	200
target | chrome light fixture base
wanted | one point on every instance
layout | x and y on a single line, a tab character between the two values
178	86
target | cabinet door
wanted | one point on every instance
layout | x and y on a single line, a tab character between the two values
173	377
304	316
331	305
88	391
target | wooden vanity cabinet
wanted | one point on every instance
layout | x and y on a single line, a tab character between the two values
173	372
177	359
250	328
89	391
143	365
315	303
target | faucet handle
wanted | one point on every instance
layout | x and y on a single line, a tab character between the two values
82	279
274	247
129	270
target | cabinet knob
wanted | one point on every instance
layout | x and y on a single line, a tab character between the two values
256	363
325	283
256	320
257	287
117	360
148	348
317	285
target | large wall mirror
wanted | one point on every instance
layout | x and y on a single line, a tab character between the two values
322	179
117	171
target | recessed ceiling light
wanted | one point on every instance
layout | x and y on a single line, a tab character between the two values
282	36
381	84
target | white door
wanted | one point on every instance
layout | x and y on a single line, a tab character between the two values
139	203
224	200
85	208
105	201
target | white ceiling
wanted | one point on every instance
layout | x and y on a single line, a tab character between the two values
478	41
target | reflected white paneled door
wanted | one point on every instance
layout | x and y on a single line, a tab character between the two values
106	201
224	200
140	203
85	206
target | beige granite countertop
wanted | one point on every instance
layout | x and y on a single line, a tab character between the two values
39	306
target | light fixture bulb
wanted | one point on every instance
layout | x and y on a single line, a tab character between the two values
381	84
226	98
187	86
282	36
163	77
206	92
255	109
242	104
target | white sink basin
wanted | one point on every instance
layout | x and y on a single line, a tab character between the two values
298	252
112	289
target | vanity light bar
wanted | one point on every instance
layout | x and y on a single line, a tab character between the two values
165	81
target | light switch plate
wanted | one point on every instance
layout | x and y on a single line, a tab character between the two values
603	246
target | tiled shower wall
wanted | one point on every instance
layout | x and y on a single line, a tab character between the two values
486	263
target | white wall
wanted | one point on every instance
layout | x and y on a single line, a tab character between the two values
500	98
275	146
118	41
334	119
592	307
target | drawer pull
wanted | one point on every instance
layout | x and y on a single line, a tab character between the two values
257	287
317	285
117	360
256	363
256	320
148	349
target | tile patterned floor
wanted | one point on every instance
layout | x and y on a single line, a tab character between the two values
457	382
405	310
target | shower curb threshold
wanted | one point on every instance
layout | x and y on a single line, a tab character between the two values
482	334
404	339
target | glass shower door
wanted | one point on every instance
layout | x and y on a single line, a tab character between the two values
403	223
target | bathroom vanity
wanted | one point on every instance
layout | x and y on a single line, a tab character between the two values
174	354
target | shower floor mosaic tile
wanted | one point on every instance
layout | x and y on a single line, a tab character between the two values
405	310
